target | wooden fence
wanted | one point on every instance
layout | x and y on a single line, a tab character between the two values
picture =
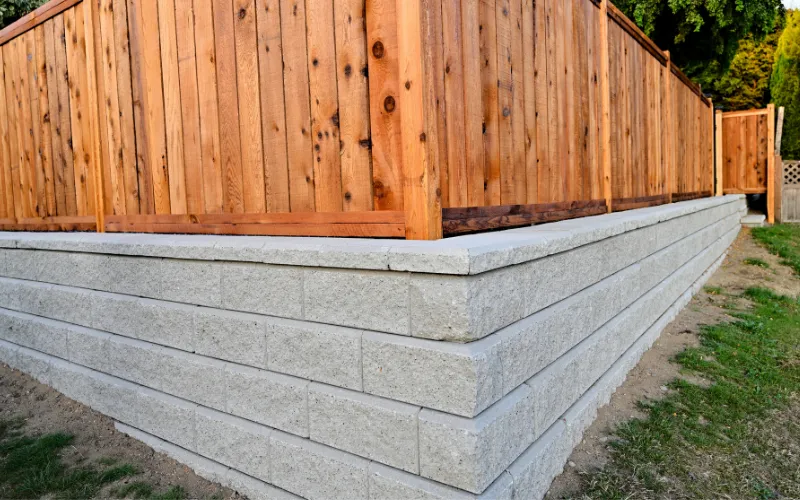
747	153
378	118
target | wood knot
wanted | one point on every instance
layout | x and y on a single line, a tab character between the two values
378	50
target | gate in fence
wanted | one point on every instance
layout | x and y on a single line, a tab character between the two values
790	205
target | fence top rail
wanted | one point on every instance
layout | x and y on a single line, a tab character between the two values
748	112
35	18
630	27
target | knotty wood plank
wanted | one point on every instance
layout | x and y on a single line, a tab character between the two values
473	101
205	49
6	191
97	112
31	162
249	110
170	75
529	100
11	60
125	99
353	94
190	105
324	105
384	89
569	105
228	95
719	155
518	125
45	146
54	119
454	84
418	46
115	178
505	83
298	110
542	83
64	132
149	112
273	111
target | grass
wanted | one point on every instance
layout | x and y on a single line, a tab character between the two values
757	263
783	240
738	437
32	467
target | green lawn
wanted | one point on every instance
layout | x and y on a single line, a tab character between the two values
736	436
31	467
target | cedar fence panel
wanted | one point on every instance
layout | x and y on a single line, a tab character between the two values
375	118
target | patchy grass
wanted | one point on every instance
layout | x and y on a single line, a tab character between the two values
713	290
739	437
782	240
31	467
757	263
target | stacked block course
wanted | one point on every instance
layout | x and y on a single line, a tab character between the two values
326	368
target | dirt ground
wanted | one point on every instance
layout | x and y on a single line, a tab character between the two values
655	370
47	411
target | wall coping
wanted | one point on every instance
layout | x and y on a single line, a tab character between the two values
462	255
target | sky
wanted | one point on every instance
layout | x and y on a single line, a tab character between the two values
792	4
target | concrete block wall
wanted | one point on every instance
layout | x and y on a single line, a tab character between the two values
325	368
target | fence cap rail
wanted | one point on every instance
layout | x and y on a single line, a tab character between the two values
35	18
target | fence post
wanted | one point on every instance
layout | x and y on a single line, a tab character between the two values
771	163
711	155
669	156
605	106
718	163
416	32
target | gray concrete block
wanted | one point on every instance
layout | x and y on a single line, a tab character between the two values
471	453
72	305
459	379
254	489
272	399
11	291
88	348
315	471
117	398
135	361
388	483
155	321
195	378
263	289
372	300
439	307
166	417
324	353
22	264
234	442
191	282
236	337
368	426
35	364
535	469
44	335
8	353
137	276
73	269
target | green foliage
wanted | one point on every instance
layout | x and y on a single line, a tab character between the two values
785	84
11	10
757	263
746	85
703	35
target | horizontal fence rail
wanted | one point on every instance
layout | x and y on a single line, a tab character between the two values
374	118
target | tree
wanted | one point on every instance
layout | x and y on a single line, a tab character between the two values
11	10
746	85
703	35
785	85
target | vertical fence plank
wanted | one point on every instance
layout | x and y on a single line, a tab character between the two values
190	105
473	102
31	161
353	89
65	124
324	105
542	81
528	77
505	83
417	48
125	103
518	103
11	60
228	95
6	191
97	111
249	106
456	174
298	113
152	144
384	89
205	49
719	158
273	110
54	119
605	105
45	150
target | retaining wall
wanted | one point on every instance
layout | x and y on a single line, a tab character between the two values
325	368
